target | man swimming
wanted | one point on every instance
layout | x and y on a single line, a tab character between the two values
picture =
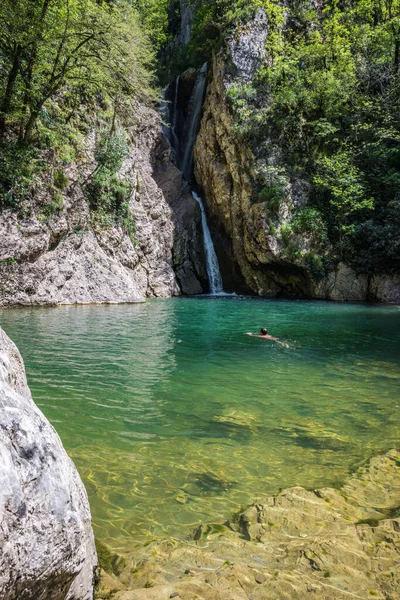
264	334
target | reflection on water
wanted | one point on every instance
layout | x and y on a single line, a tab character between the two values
175	417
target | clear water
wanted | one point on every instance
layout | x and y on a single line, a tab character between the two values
175	417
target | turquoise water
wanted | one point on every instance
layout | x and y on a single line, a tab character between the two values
174	416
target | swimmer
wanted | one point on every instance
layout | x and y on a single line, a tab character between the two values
264	334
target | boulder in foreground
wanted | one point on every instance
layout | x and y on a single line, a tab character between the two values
47	547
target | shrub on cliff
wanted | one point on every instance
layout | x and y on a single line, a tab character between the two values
108	194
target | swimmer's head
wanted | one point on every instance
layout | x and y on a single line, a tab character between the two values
263	331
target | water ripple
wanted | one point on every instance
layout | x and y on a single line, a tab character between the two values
175	417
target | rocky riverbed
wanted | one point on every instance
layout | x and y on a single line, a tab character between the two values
323	544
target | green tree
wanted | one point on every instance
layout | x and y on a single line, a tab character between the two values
154	17
51	45
347	191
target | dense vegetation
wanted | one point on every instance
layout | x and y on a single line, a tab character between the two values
65	66
325	107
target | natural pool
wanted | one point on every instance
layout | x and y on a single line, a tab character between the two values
174	417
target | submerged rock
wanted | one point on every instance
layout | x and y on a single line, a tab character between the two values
47	547
322	544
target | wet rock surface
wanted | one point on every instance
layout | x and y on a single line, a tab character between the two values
65	259
324	544
46	541
188	246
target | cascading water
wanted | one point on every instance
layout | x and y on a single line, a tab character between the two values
175	141
183	139
213	272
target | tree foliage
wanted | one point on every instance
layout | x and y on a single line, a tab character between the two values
327	95
154	17
65	64
50	47
346	190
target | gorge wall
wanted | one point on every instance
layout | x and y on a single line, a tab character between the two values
259	249
259	194
47	547
64	259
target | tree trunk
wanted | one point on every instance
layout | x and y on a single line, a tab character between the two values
31	123
8	94
28	75
396	56
112	129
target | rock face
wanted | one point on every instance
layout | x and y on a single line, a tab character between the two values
64	259
187	17
259	252
46	541
188	248
324	545
384	288
225	170
343	284
247	49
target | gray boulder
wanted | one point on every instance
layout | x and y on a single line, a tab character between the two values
47	547
384	288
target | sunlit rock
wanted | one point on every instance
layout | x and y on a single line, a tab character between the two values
46	541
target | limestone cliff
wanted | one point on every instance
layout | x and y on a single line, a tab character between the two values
259	248
63	258
46	541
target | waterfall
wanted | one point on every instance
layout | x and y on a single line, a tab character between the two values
164	112
212	265
187	16
194	116
184	126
